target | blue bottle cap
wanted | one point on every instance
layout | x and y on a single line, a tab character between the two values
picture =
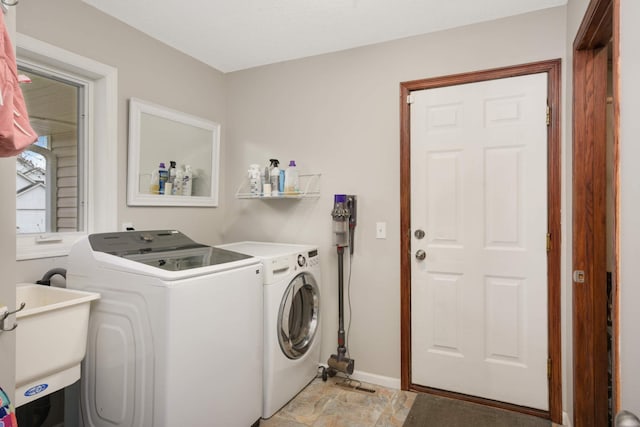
292	163
340	198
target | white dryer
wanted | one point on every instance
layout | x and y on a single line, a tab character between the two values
291	318
176	339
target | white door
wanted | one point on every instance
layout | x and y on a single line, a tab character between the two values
479	193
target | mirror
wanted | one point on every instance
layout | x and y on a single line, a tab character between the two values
160	135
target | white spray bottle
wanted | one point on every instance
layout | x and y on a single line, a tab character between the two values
274	177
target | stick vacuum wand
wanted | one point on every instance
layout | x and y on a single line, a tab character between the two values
343	233
353	214
342	350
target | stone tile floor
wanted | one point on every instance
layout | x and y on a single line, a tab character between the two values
335	404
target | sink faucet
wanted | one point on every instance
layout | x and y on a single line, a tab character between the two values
46	279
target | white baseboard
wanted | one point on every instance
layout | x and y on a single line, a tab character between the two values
566	422
388	382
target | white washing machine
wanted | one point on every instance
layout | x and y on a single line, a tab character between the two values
176	339
291	318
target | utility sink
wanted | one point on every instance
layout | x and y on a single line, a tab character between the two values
51	338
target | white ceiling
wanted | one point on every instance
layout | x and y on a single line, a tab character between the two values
232	35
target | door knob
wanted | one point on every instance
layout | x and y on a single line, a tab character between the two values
421	255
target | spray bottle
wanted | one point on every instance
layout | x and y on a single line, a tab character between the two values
168	186
274	177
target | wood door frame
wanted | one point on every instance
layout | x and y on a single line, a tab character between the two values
599	27
552	68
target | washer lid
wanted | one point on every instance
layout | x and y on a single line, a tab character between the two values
165	249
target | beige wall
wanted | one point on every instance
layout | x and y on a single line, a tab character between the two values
8	254
147	69
7	268
629	205
338	114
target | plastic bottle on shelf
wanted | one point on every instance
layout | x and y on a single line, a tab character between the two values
172	172
291	182
163	177
281	182
255	181
154	186
178	182
274	177
187	181
266	181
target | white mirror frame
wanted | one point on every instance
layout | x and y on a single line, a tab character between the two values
177	150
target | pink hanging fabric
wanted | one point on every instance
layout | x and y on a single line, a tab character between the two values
16	132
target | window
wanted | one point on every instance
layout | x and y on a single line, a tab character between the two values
49	178
32	215
59	194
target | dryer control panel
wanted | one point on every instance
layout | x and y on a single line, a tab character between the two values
302	261
313	258
279	259
277	267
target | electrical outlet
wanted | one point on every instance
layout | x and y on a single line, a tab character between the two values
381	230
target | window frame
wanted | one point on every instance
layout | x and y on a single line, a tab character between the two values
100	153
84	88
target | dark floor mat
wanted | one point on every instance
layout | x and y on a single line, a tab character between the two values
434	411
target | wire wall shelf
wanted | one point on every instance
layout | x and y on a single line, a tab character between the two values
309	184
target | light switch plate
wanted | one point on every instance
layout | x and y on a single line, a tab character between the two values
381	230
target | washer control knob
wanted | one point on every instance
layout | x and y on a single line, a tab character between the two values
146	237
301	260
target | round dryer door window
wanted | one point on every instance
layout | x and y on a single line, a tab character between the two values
298	316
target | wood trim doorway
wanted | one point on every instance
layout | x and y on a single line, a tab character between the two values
552	68
598	29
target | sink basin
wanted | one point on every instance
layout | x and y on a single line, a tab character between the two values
51	339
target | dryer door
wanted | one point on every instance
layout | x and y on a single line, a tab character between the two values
298	317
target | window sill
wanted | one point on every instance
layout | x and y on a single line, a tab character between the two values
45	245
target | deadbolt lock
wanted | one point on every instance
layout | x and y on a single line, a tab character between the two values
419	234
